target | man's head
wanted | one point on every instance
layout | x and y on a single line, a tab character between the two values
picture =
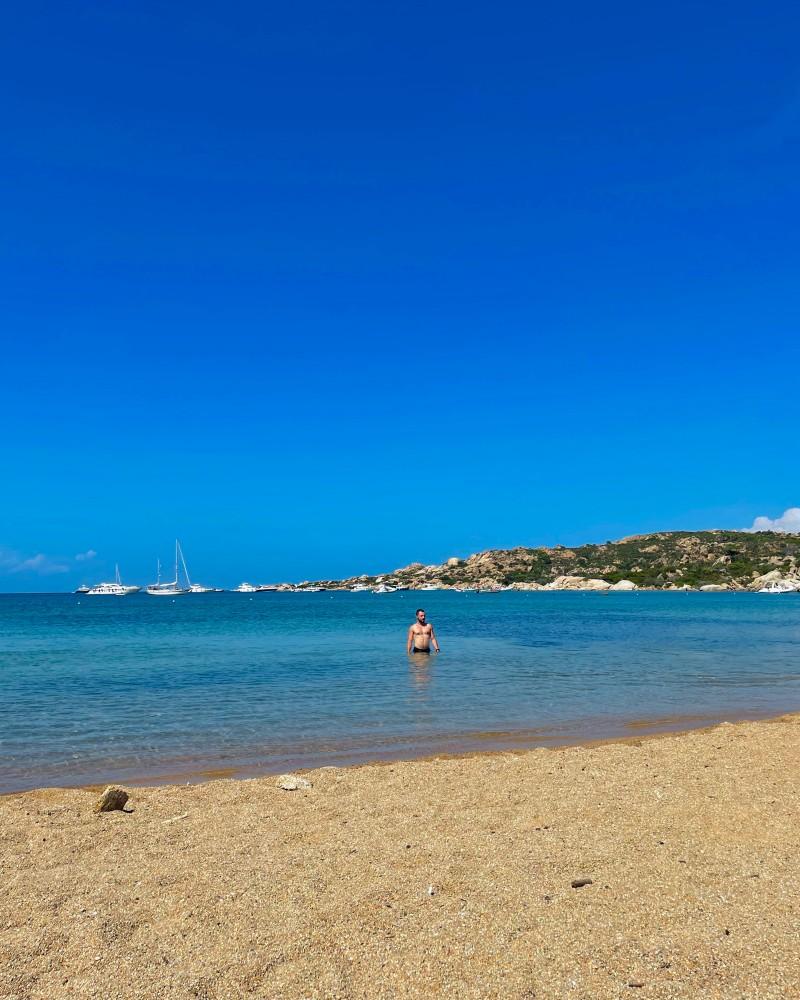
421	616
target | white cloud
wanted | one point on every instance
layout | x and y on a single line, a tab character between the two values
13	562
85	556
788	522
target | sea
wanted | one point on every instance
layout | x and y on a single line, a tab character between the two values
142	689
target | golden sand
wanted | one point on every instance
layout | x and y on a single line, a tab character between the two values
449	877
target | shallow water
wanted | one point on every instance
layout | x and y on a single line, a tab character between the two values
95	689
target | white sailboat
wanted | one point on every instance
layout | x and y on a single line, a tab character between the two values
172	588
127	587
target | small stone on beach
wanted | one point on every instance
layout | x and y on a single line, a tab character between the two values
292	782
578	883
112	798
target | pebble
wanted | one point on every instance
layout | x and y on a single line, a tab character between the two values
112	798
292	782
578	883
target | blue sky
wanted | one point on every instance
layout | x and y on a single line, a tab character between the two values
328	288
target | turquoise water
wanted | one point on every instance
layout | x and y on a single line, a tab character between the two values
97	689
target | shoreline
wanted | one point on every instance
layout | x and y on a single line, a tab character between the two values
460	746
661	867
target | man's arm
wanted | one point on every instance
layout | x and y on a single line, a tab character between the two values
410	643
434	640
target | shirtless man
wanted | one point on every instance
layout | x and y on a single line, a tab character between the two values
421	635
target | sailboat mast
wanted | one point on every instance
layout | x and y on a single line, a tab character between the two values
183	563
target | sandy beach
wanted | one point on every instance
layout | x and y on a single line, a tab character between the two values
447	877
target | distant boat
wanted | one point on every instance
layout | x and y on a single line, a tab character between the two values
383	589
308	590
83	589
172	588
115	589
198	588
778	587
359	588
245	588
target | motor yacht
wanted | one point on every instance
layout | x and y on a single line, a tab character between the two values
115	589
245	588
107	590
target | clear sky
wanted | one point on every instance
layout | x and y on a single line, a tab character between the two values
325	288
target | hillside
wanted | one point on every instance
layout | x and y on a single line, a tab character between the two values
664	560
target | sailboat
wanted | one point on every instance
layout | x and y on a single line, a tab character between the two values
173	587
129	588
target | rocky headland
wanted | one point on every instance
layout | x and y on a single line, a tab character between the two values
665	560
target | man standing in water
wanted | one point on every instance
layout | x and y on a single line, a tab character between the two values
421	635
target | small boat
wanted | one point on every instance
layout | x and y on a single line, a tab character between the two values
383	589
245	588
308	590
266	588
359	588
198	588
778	587
83	589
172	588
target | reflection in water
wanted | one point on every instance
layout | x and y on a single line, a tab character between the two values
419	668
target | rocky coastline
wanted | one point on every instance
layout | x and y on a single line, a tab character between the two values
674	561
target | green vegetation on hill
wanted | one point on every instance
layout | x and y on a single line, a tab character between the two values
664	559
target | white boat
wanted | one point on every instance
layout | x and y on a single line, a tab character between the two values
245	588
383	589
115	589
778	587
308	590
106	590
359	588
198	588
83	589
172	588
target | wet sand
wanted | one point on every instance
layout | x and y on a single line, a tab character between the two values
447	877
